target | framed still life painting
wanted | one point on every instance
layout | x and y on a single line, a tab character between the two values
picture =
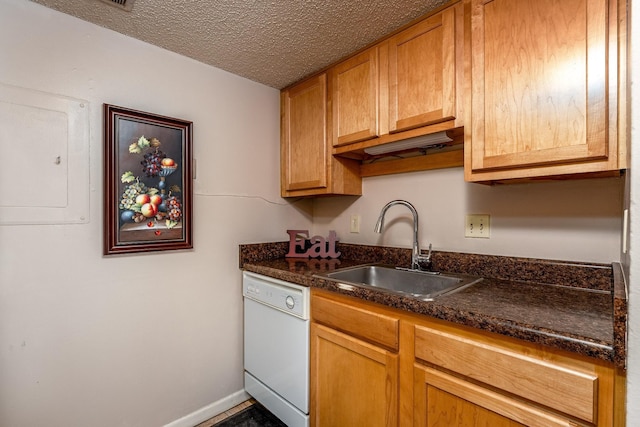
148	182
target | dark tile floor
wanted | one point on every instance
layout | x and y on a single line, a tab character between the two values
255	415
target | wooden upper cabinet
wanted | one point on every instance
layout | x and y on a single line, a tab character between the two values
538	88
353	89
422	72
304	135
544	88
307	165
405	86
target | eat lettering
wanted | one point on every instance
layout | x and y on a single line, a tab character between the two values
319	247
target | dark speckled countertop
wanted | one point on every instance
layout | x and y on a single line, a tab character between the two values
572	306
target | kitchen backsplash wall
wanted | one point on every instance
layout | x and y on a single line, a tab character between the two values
577	220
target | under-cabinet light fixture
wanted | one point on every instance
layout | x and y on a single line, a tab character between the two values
407	144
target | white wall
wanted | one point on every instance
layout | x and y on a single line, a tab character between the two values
138	340
633	373
568	220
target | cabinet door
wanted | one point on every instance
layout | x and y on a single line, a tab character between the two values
442	400
422	73
353	383
304	143
540	79
353	91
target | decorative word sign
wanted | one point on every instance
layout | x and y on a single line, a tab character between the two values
319	246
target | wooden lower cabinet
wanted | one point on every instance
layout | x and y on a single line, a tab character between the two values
376	366
509	372
354	383
443	400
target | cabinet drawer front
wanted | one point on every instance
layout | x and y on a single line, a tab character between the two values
359	322
562	388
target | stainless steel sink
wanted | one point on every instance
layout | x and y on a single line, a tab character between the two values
421	285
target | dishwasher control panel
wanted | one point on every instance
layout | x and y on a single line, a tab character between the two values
284	296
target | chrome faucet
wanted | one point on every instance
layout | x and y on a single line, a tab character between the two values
416	258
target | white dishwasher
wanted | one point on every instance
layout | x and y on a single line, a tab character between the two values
276	346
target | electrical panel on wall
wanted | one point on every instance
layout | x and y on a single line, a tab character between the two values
44	141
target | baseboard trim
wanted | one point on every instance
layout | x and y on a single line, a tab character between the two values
211	410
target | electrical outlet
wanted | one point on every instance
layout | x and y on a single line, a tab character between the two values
477	226
354	224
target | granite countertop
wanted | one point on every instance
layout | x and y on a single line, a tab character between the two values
578	307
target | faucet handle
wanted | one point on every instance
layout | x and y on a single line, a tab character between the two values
424	260
428	256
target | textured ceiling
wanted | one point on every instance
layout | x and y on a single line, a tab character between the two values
274	42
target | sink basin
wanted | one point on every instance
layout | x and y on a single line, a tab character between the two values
424	286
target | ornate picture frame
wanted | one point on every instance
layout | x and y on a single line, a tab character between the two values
147	182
